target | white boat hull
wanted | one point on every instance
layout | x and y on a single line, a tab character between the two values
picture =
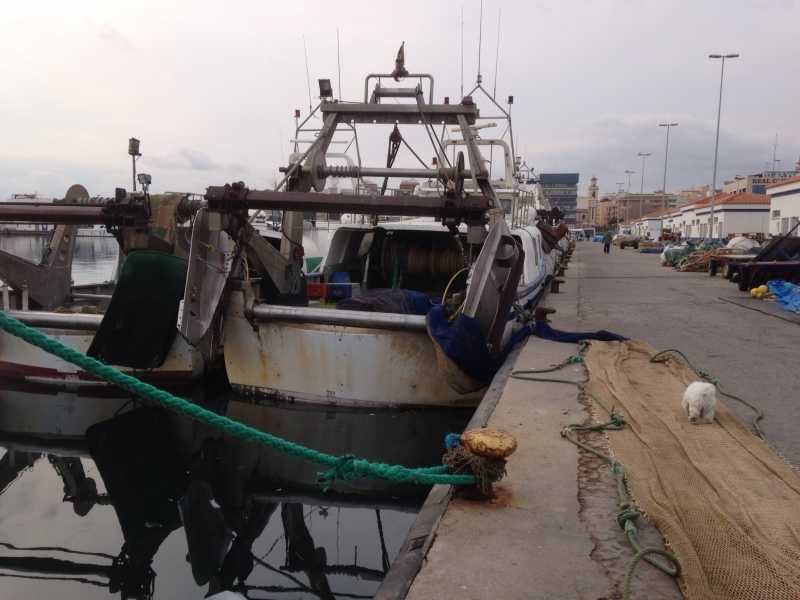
20	361
334	364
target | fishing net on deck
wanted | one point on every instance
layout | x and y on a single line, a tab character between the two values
727	505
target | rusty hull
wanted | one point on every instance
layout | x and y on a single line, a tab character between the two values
333	364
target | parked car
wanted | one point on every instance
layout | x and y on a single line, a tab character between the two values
626	238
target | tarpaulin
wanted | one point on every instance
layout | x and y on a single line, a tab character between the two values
787	294
544	331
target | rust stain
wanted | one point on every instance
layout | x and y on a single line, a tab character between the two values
502	497
469	497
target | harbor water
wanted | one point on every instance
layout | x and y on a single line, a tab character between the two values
94	261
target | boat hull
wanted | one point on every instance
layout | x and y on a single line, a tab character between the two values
334	364
20	361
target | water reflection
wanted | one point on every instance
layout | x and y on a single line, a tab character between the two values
101	495
94	261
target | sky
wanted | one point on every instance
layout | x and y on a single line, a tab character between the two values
210	87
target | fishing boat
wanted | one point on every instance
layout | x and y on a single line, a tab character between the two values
406	312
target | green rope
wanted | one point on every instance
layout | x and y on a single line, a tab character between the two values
529	374
346	467
628	515
759	414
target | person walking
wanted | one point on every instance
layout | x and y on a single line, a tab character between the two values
607	242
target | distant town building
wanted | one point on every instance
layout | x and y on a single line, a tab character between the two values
734	214
582	212
623	207
594	199
561	189
784	206
757	183
693	195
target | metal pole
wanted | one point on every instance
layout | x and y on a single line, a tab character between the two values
133	160
339	64
666	156
716	141
497	54
462	52
644	156
480	42
716	152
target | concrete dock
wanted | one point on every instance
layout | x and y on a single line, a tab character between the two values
550	532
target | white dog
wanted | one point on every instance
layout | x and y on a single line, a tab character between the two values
700	402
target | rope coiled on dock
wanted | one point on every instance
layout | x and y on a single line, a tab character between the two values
338	467
628	515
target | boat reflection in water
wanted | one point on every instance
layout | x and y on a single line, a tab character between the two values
101	495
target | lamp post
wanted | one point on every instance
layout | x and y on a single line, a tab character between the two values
628	172
133	150
666	155
644	156
716	142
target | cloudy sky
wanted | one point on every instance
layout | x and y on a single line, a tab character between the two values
210	87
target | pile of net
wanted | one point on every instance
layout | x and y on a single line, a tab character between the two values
699	261
674	253
727	505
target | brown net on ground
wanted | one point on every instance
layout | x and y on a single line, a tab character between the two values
727	505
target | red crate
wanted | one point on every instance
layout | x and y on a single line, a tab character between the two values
316	290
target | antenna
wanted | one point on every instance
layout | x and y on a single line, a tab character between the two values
497	53
480	43
339	63
308	76
774	151
462	51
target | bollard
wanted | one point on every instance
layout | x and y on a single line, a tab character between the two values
6	300
24	296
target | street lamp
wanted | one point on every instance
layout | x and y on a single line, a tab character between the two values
666	154
628	172
644	156
716	143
